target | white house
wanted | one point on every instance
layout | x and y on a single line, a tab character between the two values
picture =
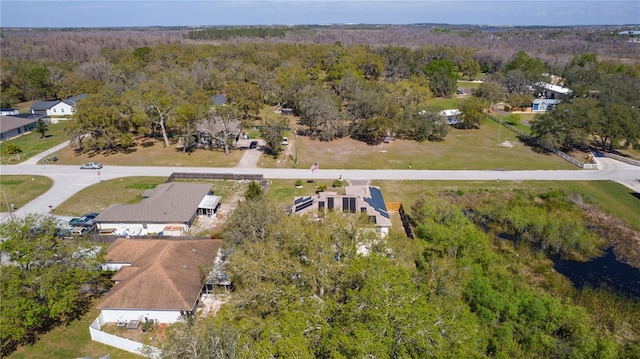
169	209
157	279
59	108
358	199
8	111
451	116
543	104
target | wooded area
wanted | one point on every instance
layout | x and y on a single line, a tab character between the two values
361	82
301	289
458	290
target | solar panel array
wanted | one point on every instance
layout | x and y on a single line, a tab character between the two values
301	203
377	202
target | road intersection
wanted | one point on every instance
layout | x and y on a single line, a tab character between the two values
68	180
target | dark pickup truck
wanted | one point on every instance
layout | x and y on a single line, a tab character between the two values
86	220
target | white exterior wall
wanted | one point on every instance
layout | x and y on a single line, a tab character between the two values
60	109
151	227
163	316
114	266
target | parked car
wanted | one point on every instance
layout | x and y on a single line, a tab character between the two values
78	231
64	232
253	144
91	166
285	141
85	220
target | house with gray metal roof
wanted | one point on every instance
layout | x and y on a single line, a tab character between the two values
59	108
357	199
169	209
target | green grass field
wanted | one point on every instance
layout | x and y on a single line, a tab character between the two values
31	144
462	149
71	341
20	190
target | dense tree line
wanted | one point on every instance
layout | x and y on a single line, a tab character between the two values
603	109
309	289
363	91
45	280
232	32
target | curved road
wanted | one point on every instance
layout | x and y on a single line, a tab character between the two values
68	180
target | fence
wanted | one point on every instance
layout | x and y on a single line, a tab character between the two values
406	223
587	166
215	176
220	176
110	238
97	335
623	159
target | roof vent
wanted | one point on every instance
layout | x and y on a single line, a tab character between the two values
194	250
185	266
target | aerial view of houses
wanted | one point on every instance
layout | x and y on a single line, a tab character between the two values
367	187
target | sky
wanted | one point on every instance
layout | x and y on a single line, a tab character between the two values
127	13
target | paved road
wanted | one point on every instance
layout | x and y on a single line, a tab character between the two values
68	180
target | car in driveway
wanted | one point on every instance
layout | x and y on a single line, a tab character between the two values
253	144
79	231
91	166
85	220
285	141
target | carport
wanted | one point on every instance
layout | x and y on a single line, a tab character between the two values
209	205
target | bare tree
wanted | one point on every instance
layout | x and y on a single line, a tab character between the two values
222	124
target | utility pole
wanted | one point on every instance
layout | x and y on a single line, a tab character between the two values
296	139
6	201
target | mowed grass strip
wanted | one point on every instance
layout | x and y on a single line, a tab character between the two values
101	195
475	149
151	152
129	190
21	190
32	144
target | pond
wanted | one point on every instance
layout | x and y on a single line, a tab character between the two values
604	271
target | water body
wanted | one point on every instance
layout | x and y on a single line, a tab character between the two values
603	271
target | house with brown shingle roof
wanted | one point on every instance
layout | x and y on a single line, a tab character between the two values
157	279
170	207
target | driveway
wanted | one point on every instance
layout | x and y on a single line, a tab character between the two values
251	156
68	180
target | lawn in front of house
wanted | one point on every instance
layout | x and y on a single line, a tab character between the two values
473	149
101	195
32	144
151	152
21	189
128	190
